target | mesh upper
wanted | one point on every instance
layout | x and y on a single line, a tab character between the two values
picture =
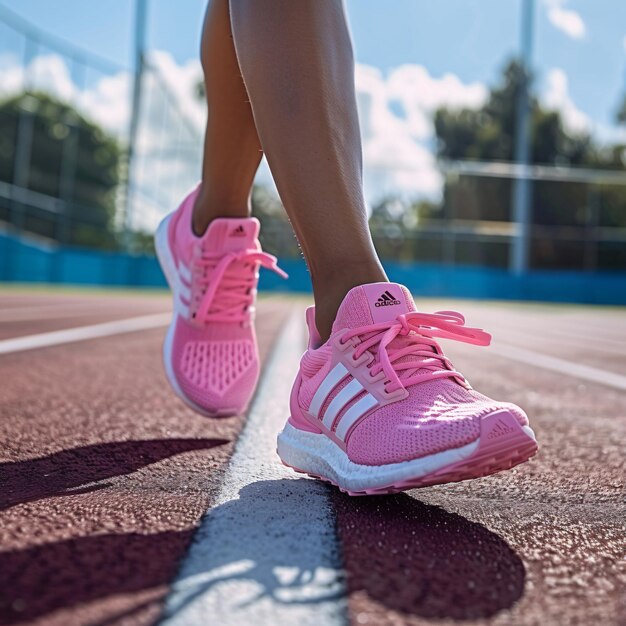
215	366
436	416
314	367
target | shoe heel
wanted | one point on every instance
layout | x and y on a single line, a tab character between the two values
162	247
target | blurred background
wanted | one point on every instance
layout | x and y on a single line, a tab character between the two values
494	138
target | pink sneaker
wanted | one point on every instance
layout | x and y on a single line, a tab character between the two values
210	351
378	408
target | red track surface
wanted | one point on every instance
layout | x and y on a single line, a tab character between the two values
104	476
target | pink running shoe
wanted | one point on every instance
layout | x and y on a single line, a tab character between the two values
379	408
210	351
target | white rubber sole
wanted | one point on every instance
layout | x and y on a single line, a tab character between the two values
166	261
318	456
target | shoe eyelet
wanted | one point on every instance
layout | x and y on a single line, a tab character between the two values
341	345
363	359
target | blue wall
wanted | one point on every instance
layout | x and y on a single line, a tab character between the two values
27	261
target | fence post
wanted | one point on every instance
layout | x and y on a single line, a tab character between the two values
24	138
521	194
448	235
140	43
591	228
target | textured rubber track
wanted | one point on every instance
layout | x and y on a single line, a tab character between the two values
105	474
503	445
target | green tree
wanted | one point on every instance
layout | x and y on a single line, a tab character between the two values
63	138
561	210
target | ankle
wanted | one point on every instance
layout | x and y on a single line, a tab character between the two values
208	207
331	288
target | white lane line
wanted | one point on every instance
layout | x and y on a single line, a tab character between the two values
12	314
55	315
554	364
70	335
57	312
560	340
266	552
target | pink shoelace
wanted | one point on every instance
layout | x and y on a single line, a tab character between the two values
227	290
420	331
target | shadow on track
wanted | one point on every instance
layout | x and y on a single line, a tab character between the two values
398	553
418	559
39	580
401	554
65	472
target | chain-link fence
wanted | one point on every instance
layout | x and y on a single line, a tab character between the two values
578	219
64	143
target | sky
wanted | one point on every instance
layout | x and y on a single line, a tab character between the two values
412	56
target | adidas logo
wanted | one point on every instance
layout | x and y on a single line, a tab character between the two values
240	231
500	429
386	299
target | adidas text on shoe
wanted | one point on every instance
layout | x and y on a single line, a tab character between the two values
386	299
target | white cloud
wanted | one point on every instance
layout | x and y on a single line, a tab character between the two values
557	98
417	89
106	101
568	21
396	125
395	111
181	81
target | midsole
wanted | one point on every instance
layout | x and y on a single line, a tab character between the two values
317	454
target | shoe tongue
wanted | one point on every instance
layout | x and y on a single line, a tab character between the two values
226	234
372	304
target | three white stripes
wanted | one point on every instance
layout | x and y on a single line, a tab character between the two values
351	390
184	282
328	384
340	401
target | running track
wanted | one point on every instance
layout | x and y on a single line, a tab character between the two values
105	479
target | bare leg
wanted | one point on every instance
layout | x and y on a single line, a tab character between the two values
232	151
297	63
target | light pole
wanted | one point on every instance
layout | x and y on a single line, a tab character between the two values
521	194
141	11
